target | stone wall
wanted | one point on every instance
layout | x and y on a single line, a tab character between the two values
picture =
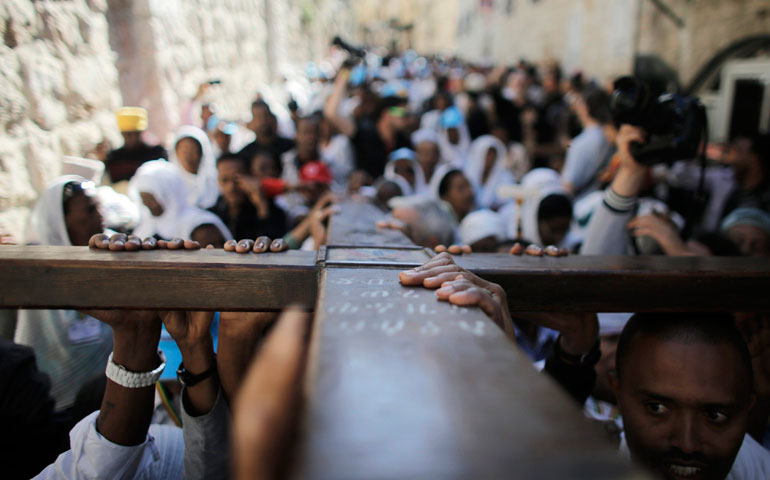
709	26
594	35
58	92
603	37
166	48
67	65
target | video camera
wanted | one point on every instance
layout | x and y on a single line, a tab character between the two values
675	124
352	51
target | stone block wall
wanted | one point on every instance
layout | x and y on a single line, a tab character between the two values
67	65
58	91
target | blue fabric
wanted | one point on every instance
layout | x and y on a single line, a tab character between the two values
171	350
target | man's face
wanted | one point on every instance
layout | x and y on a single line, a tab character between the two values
307	136
684	405
132	139
227	175
261	121
263	165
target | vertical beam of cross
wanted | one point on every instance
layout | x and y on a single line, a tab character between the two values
403	386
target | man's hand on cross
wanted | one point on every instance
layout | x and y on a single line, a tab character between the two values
122	242
260	245
461	287
517	249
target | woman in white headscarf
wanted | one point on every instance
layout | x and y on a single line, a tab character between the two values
427	150
192	154
454	138
203	227
486	170
403	163
161	192
69	346
159	189
543	213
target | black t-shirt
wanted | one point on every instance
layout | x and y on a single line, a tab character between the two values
370	149
247	225
121	163
277	147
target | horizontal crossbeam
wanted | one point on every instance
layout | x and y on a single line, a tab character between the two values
76	277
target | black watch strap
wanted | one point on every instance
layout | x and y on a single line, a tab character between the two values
187	379
589	359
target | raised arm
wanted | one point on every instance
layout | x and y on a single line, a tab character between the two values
607	232
332	107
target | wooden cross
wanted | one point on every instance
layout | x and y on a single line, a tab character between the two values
400	385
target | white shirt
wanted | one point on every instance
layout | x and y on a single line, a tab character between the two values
93	456
751	463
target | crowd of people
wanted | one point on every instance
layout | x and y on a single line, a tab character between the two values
515	159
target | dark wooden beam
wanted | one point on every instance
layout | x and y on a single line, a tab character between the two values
401	385
76	277
626	283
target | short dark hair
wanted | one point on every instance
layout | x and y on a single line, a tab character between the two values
232	157
385	103
554	205
443	186
598	104
709	328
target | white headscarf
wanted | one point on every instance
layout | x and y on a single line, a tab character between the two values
481	224
47	225
202	186
70	347
486	193
456	154
194	217
164	182
435	181
420	187
425	135
543	182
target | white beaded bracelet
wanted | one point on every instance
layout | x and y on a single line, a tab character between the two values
125	378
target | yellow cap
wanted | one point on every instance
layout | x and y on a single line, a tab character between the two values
132	119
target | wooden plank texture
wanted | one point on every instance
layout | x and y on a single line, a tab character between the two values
76	277
627	284
356	226
403	386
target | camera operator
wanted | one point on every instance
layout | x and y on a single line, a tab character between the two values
372	139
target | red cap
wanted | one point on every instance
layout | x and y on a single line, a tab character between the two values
315	172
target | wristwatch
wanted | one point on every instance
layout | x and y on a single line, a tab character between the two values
587	359
187	379
125	378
